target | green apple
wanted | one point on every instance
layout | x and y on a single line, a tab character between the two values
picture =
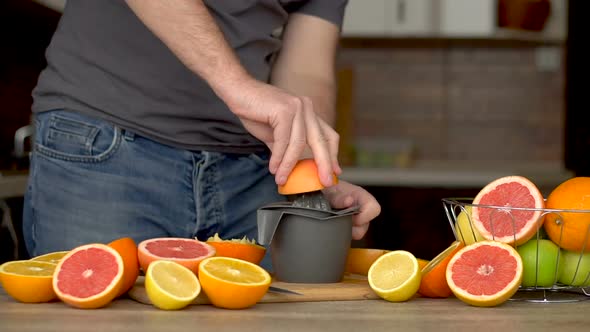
539	261
569	275
466	233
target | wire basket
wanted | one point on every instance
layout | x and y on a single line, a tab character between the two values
554	291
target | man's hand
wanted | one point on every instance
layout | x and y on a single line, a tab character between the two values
344	195
288	124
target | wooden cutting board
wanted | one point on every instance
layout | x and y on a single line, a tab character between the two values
352	287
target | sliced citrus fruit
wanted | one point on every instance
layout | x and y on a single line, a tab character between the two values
187	252
28	281
127	248
504	224
171	286
464	229
303	178
89	276
485	274
422	263
359	260
243	248
395	276
434	280
570	230
232	283
52	257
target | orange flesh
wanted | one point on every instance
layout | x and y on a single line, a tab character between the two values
485	270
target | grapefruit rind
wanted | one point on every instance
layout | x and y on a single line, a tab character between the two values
497	298
145	257
402	291
100	299
530	227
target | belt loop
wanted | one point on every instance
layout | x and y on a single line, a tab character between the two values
128	135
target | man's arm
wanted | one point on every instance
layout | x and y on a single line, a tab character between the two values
306	63
285	122
189	30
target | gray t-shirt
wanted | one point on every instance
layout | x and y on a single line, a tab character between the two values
104	62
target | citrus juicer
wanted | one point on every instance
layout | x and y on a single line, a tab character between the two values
309	241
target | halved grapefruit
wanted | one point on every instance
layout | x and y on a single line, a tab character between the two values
187	252
485	274
89	276
503	223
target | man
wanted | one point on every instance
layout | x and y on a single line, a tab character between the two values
156	118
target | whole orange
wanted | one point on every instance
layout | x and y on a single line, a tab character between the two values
434	281
570	230
359	260
127	248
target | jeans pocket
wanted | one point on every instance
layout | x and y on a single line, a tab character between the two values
74	137
260	159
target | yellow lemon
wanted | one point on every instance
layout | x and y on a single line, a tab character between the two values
395	276
171	286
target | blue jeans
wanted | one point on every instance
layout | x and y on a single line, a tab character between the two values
91	181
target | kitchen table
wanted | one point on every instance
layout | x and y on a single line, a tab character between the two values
418	314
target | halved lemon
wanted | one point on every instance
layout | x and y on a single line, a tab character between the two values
395	276
171	286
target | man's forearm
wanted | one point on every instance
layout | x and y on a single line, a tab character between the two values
191	33
306	64
322	91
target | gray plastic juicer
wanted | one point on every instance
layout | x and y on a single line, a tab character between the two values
307	245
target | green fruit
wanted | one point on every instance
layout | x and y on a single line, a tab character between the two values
466	233
547	271
569	275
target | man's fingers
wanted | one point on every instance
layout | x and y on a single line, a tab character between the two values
333	140
318	143
296	144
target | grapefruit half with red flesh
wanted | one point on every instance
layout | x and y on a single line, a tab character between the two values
503	223
186	252
89	276
485	274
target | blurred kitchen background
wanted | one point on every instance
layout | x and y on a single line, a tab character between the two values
436	99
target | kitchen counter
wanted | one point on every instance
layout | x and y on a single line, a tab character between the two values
418	314
455	174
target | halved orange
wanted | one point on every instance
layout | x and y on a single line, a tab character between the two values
52	257
243	248
303	178
434	281
232	283
28	281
